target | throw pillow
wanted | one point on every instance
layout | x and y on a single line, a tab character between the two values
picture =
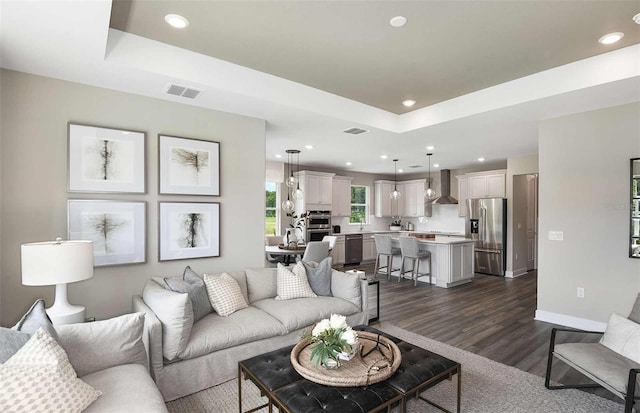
635	311
347	287
294	283
10	342
39	378
225	294
193	285
622	336
102	344
174	312
35	318
319	276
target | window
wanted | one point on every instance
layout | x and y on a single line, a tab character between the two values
359	204
272	214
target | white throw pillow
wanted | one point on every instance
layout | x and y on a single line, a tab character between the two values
39	378
623	337
225	294
294	283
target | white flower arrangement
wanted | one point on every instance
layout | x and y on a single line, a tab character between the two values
334	340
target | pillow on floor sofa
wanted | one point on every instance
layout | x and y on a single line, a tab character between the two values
347	287
225	294
35	318
319	276
622	336
192	284
174	312
293	283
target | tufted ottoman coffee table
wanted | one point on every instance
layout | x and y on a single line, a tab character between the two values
283	387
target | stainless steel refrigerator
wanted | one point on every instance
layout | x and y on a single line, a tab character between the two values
487	225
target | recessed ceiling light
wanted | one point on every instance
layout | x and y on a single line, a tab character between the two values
398	21
636	18
400	170
308	147
278	155
383	156
480	159
430	148
176	21
409	102
611	38
349	164
436	165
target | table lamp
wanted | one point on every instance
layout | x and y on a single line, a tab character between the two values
58	263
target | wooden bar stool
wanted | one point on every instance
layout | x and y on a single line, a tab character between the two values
385	249
411	249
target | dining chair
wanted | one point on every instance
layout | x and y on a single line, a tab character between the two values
410	248
316	251
274	240
385	249
331	239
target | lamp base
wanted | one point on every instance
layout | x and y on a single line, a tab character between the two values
61	312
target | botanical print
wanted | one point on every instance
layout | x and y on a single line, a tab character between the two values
111	233
190	230
107	160
189	167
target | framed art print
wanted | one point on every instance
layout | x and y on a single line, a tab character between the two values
105	160
189	230
188	166
117	229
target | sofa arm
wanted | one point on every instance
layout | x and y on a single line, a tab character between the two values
152	336
364	295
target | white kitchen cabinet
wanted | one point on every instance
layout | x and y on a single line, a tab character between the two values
341	201
369	250
384	206
413	196
337	253
318	191
491	184
463	195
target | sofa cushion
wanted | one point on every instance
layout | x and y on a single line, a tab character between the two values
174	312
293	283
125	388
35	318
192	284
347	287
225	294
39	378
303	312
103	344
623	337
10	342
261	283
319	275
602	363
214	332
635	311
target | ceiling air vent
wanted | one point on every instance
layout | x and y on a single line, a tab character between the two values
415	166
183	91
355	131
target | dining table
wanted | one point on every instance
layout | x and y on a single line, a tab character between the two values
289	253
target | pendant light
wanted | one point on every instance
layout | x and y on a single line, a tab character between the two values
429	193
298	194
288	206
395	194
291	181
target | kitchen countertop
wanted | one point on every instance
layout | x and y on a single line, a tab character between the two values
402	232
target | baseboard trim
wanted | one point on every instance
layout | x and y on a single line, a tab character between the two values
516	273
569	321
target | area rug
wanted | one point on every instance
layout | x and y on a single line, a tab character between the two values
487	387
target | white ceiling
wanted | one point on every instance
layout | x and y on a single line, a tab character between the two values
71	40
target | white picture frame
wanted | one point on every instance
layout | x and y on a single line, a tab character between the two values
188	230
117	229
105	160
188	166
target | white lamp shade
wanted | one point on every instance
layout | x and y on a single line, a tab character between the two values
56	262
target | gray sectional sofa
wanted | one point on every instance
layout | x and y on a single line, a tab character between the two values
208	355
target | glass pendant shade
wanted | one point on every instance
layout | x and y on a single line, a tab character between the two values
423	220
395	194
291	181
298	194
288	206
429	193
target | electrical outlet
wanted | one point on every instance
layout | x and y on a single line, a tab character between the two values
556	235
516	256
580	292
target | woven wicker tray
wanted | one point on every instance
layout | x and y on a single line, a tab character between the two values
359	371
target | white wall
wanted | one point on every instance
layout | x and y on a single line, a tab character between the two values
584	192
33	150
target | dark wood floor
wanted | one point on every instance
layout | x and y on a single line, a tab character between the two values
491	316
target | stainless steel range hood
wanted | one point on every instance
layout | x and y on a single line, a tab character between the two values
445	186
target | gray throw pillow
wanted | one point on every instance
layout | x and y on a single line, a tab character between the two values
194	286
347	287
319	275
35	318
10	342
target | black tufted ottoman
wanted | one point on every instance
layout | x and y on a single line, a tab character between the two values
276	378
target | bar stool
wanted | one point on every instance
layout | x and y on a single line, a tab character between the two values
385	249
410	249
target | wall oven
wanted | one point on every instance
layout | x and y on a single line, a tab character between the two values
318	225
